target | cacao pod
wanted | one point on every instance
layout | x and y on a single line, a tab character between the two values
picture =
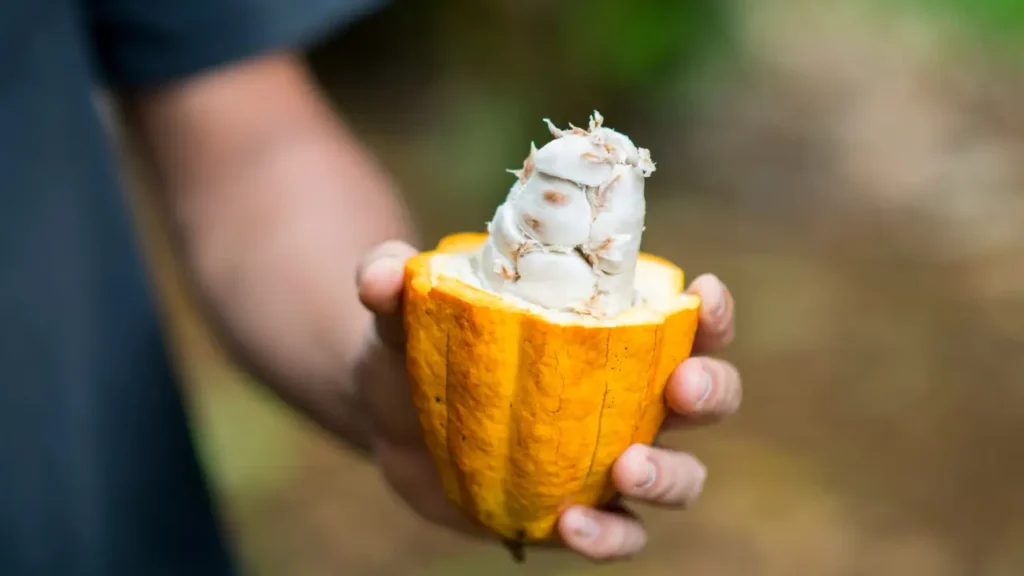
524	412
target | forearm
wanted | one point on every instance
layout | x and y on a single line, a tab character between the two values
273	216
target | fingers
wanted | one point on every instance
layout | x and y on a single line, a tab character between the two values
703	389
716	329
653	475
601	535
379	278
659	476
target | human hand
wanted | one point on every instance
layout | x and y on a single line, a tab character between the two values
702	390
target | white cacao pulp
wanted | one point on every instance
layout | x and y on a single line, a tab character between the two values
567	237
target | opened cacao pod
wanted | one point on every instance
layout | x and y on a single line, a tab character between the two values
525	410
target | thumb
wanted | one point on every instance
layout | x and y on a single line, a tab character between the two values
380	275
379	281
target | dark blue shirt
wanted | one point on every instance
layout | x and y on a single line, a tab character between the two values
97	469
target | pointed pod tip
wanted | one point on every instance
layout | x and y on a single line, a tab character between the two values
516	549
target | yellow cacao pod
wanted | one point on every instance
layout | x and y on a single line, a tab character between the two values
523	412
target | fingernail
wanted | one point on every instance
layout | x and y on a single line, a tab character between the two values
697	387
648	480
391	264
581	525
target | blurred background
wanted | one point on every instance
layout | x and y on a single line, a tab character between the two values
853	170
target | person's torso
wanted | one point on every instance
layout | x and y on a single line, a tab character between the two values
98	474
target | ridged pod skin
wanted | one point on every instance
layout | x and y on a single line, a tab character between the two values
523	412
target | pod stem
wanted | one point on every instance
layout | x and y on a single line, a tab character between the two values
517	549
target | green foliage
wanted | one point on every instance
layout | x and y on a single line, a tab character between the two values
631	43
509	64
999	16
1001	20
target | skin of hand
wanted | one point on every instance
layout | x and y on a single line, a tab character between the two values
272	204
701	391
